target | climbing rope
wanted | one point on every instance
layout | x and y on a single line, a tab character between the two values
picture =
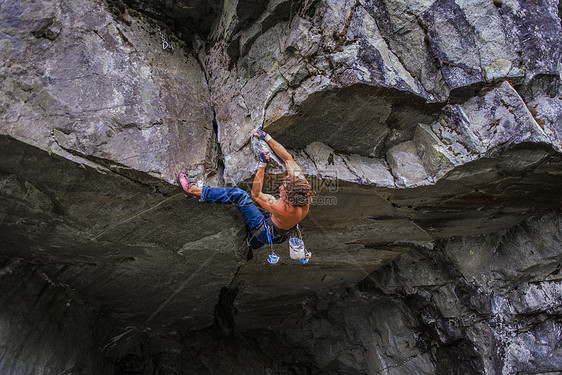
165	44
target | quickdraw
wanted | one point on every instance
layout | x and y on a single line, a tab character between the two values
165	44
273	258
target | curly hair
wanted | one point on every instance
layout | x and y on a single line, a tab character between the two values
297	191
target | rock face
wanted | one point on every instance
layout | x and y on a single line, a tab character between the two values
466	307
358	76
76	81
430	130
45	326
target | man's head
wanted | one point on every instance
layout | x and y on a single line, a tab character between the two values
296	191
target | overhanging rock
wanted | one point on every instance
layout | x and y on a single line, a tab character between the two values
416	122
146	257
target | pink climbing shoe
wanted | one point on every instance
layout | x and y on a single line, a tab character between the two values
185	184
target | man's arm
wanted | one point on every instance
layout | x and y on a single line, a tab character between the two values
264	200
292	167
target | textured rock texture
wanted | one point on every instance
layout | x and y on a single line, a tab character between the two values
45	326
121	242
467	307
125	116
431	131
74	80
360	76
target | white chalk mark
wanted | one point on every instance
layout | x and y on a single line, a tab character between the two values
114	340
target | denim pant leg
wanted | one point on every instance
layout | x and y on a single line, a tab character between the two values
250	213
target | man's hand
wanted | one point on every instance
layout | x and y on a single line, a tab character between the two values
261	135
292	167
264	157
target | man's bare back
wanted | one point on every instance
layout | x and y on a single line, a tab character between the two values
286	217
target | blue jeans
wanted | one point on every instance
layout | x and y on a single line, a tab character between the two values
250	213
254	219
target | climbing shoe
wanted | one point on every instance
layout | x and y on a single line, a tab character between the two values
181	176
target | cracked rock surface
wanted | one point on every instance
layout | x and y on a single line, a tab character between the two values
430	130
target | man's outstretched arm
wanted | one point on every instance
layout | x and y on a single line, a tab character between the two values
264	200
292	167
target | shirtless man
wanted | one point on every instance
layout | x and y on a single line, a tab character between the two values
285	212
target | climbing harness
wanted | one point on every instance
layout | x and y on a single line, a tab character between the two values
297	249
165	44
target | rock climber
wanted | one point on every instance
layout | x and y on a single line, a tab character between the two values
284	213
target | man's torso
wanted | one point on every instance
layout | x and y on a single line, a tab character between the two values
286	217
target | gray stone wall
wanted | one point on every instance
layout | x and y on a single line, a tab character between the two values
45	326
431	131
488	304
